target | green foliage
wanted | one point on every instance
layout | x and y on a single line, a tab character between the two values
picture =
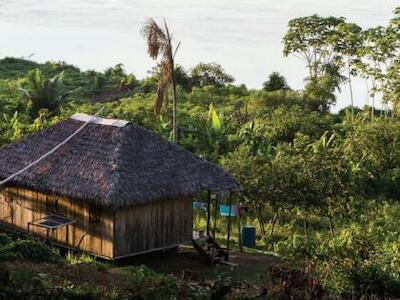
350	264
260	102
79	258
42	93
205	74
4	239
14	68
26	249
275	82
147	284
11	128
322	188
327	45
373	150
320	93
115	76
182	78
33	250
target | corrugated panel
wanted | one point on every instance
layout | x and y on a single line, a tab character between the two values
100	121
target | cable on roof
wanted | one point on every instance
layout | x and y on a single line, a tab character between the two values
51	151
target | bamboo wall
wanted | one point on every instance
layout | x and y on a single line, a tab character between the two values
19	206
153	226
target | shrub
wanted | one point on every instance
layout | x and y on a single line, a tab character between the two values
28	249
4	239
147	284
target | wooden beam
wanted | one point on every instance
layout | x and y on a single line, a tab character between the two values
229	225
239	224
215	216
208	212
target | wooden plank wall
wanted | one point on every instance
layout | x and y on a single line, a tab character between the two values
19	206
154	226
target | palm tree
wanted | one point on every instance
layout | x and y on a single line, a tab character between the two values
159	43
43	93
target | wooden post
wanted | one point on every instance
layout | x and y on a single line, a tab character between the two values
215	216
67	234
239	224
229	225
208	212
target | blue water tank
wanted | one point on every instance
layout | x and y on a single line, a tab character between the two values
249	236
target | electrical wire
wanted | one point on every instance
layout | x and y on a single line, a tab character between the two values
11	177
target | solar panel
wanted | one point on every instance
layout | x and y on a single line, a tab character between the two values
48	224
58	219
53	222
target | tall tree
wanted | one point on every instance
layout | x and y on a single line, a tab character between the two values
393	73
159	43
379	54
312	39
348	43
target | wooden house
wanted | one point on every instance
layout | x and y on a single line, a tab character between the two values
114	190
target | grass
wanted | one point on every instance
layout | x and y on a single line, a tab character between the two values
179	275
74	258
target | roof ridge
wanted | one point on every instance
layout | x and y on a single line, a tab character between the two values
99	120
116	161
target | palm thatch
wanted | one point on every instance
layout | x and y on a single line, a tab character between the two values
111	166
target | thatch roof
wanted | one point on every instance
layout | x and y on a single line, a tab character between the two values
110	166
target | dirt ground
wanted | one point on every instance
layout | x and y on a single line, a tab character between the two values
184	262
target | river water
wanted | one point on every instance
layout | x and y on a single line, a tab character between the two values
244	36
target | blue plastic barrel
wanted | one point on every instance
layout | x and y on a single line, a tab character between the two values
249	236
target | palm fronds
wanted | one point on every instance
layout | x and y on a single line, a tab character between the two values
159	46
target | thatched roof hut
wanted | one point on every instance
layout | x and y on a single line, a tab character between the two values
111	166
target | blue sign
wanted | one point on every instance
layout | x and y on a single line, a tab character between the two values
224	210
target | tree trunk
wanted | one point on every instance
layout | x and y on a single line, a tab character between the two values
175	100
261	221
274	220
174	111
305	226
373	100
331	225
367	87
239	224
351	90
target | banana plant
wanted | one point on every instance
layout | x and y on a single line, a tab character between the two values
254	136
12	130
216	133
323	143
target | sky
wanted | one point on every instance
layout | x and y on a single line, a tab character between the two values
245	36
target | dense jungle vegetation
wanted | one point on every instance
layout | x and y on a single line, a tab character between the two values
322	188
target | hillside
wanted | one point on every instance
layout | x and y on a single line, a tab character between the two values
322	189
